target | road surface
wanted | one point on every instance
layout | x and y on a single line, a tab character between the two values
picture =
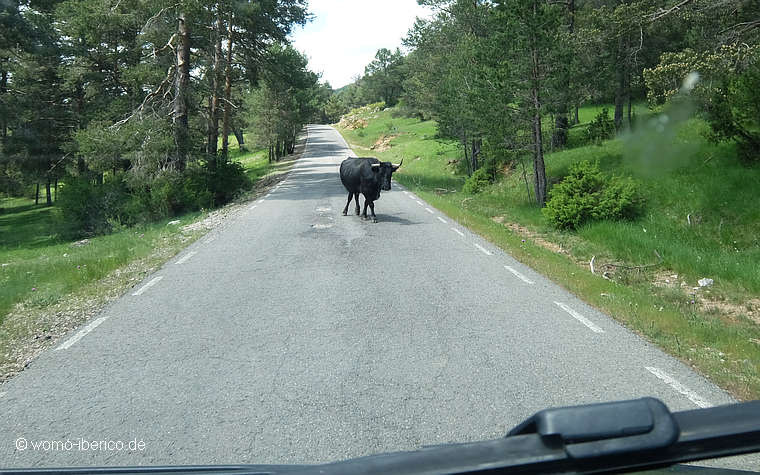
297	335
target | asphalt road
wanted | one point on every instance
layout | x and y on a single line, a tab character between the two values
297	335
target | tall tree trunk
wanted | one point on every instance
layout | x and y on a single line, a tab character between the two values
239	136
561	121
37	194
48	194
620	86
227	94
476	144
539	168
55	188
181	97
213	126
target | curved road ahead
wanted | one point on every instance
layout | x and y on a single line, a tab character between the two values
297	335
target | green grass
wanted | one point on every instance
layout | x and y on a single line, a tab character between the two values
40	268
44	274
681	175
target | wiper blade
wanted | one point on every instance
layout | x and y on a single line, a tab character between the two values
608	437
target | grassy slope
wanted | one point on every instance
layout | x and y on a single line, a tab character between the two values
682	176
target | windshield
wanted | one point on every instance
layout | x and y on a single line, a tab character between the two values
554	205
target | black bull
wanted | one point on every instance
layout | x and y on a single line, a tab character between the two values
366	176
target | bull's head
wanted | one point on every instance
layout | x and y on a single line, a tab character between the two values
384	171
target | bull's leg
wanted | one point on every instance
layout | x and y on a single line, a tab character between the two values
345	210
372	208
366	202
356	197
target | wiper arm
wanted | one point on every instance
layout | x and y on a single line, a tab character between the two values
614	437
608	437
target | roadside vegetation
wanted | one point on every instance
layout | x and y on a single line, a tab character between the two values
50	283
700	221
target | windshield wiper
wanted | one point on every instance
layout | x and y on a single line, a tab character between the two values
614	437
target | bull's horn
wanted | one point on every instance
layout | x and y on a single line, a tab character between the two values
396	166
375	165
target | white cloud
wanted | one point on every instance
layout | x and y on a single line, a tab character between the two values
345	35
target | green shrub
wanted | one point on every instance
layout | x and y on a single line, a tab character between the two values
224	184
586	194
89	208
601	128
478	181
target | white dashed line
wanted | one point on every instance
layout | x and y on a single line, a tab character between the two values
519	275
81	333
253	207
260	201
210	240
150	284
188	256
429	210
670	381
407	193
458	231
483	249
441	220
420	202
580	318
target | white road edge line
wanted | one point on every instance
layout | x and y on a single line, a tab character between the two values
150	284
519	275
188	256
429	210
580	318
458	231
441	220
670	381
260	201
420	202
68	343
485	251
253	207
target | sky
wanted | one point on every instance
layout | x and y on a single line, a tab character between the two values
344	35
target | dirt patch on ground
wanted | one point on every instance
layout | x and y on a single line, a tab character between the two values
662	278
533	236
383	143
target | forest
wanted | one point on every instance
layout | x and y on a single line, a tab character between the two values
507	78
121	112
